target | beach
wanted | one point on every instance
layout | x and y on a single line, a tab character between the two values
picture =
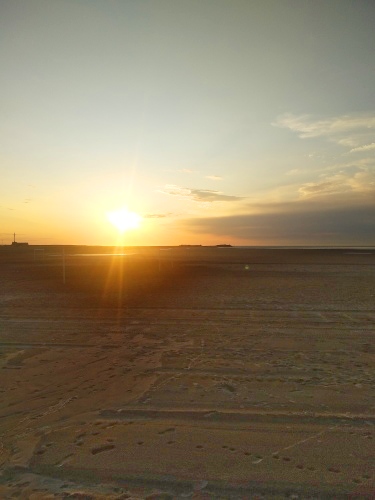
187	372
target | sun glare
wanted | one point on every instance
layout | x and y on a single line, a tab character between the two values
124	220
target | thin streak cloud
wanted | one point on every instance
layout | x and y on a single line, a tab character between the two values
157	216
198	195
366	147
360	180
349	130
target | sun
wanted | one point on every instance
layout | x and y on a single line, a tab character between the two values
124	220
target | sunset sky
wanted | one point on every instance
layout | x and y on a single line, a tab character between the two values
250	122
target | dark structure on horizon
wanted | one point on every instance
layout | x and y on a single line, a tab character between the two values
18	244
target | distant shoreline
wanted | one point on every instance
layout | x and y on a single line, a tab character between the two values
196	247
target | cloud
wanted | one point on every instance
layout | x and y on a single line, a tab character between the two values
318	187
210	196
199	195
363	181
294	171
366	147
350	179
297	223
352	131
214	177
157	216
174	190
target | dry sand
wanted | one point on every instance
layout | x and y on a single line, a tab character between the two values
188	373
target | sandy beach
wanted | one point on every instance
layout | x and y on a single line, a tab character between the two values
187	373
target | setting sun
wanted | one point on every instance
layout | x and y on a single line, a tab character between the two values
124	220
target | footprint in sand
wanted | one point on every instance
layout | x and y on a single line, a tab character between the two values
104	447
170	429
65	460
41	451
333	469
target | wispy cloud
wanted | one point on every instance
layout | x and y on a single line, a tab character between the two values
366	147
157	216
312	188
210	195
214	177
355	179
198	195
354	131
174	190
294	171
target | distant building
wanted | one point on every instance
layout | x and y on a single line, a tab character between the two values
18	244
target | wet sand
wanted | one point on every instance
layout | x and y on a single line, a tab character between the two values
188	373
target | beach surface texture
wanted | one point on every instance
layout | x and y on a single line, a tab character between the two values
187	373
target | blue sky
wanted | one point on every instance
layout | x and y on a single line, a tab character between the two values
247	122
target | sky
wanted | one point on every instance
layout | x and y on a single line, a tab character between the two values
246	122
